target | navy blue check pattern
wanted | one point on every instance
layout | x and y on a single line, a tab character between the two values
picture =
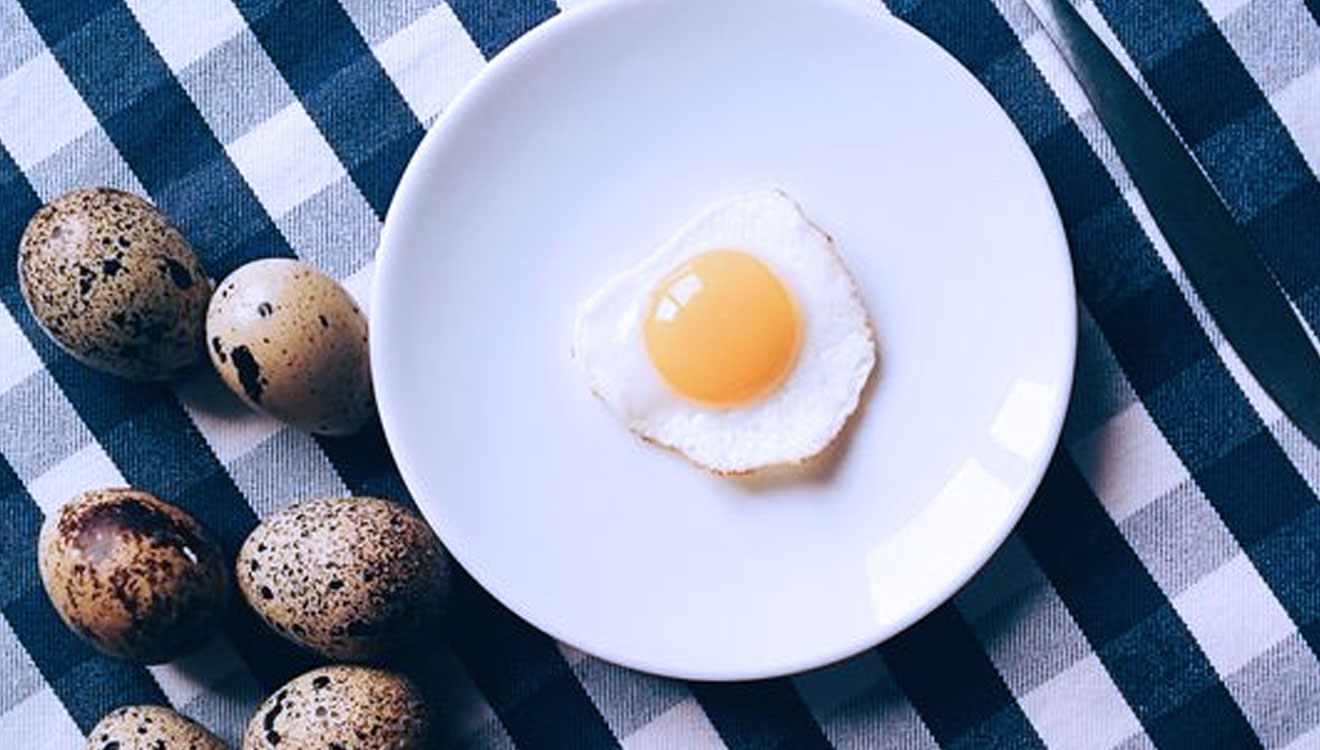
1163	589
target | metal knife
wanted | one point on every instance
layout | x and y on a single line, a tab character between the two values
1220	260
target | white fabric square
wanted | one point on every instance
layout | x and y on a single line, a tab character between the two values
43	722
1056	72
377	21
285	160
287	468
185	30
335	230
1296	106
1221	9
1233	615
1180	538
1308	741
1080	709
20	360
236	86
430	60
90	159
22	41
1276	41
40	111
87	469
1128	463
685	725
42	428
228	425
1018	15
21	676
200	672
1279	691
1030	638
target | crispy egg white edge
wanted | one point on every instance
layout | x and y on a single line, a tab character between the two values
837	353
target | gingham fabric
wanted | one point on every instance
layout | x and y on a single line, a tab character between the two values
1163	589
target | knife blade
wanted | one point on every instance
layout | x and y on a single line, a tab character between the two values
1220	260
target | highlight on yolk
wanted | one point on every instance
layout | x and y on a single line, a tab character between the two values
722	328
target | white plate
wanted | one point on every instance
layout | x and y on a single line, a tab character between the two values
577	151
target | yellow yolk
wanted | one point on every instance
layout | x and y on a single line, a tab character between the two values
722	329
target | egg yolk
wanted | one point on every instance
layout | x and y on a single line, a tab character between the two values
722	329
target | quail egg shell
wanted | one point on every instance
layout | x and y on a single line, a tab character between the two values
150	728
352	578
133	575
114	284
290	341
341	706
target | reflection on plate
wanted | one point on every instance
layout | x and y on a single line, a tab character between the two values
587	143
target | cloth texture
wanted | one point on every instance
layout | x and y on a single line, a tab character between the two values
1162	590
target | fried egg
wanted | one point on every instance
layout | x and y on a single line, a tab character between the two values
741	342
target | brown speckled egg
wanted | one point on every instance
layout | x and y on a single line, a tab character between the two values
353	578
135	576
341	707
290	341
150	728
114	284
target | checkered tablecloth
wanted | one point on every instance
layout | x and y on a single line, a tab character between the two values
1163	589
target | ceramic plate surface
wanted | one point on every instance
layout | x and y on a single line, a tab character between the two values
576	152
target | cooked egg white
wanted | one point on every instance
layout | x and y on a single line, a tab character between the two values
741	342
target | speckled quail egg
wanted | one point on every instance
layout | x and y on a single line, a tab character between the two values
114	284
341	706
150	728
290	341
133	575
353	578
